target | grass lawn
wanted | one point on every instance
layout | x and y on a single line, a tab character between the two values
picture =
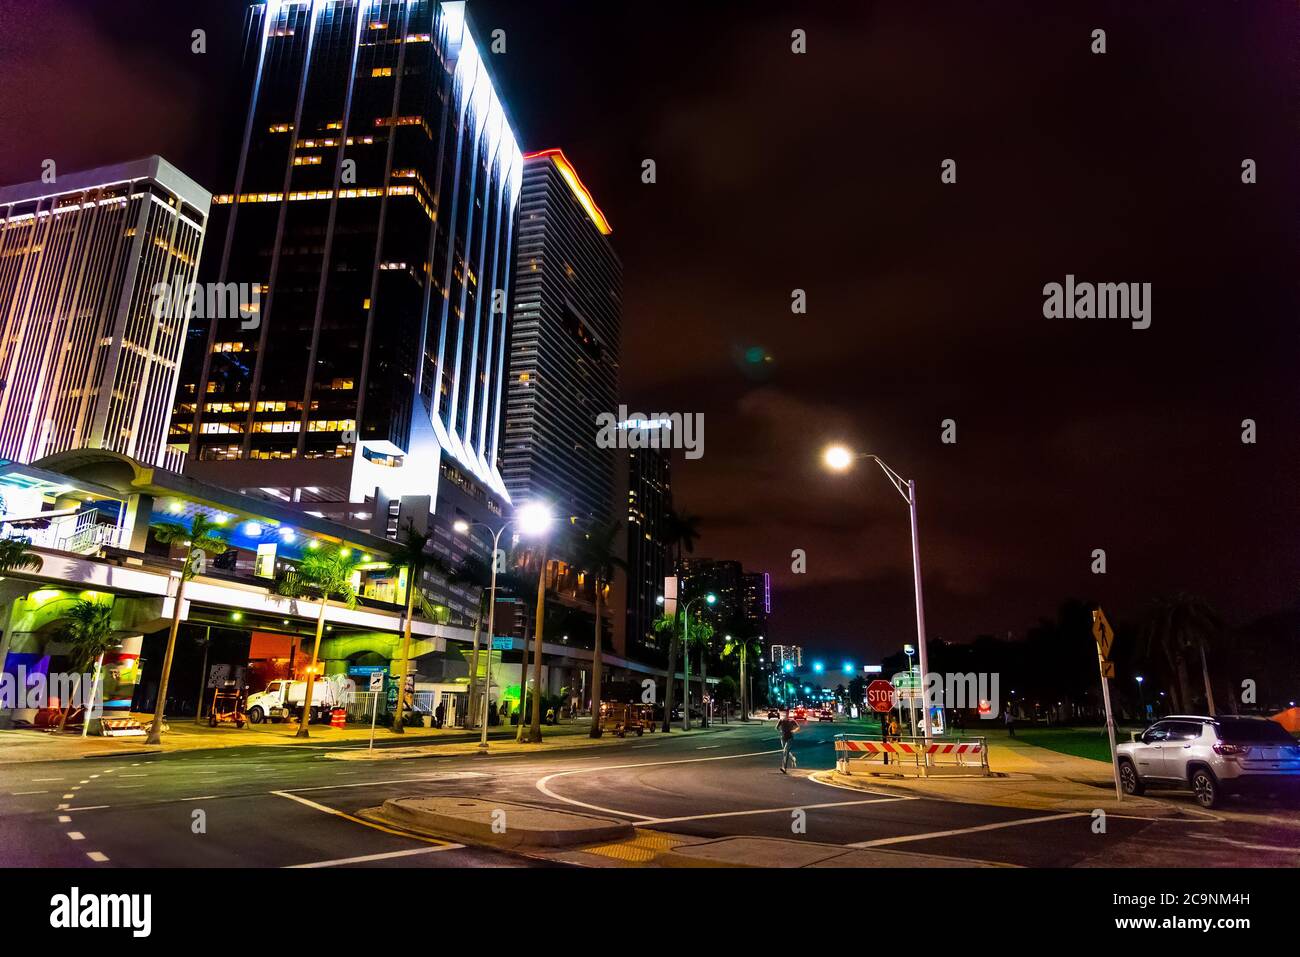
1088	743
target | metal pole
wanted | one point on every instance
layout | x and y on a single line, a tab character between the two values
1110	724
492	611
686	667
374	713
920	613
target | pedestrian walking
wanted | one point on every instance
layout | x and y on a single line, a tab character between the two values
439	713
1009	720
788	728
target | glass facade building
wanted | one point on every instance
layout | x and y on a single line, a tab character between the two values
564	346
91	350
374	205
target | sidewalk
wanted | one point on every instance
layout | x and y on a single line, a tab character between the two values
551	741
20	746
1024	776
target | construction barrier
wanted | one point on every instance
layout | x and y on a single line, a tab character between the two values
936	756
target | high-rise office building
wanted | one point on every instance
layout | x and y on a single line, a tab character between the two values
374	204
564	345
787	653
90	350
756	601
644	480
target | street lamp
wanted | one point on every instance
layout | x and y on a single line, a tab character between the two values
1141	704
710	599
533	519
839	458
911	700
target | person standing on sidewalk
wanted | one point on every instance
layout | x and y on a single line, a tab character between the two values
787	727
1009	720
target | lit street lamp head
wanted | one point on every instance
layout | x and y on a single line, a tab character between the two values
460	526
837	458
534	518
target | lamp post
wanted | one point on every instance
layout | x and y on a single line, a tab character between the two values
839	458
531	519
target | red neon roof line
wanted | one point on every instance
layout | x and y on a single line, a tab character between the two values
579	187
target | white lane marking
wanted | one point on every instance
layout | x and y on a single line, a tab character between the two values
766	810
708	747
68	797
76	836
20	793
906	838
40	780
638	747
89	807
64	819
542	783
201	797
380	857
127	787
135	775
440	777
97	856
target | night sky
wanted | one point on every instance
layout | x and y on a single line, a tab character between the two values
821	172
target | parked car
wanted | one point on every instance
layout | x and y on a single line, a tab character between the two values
1212	757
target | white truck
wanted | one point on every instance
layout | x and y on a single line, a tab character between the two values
283	699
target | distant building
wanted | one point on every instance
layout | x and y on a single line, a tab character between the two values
564	345
756	601
780	654
644	478
89	354
723	578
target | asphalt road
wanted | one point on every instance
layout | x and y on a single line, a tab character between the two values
291	806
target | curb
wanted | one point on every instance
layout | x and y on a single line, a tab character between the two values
433	824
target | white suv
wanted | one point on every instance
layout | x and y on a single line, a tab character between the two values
1212	756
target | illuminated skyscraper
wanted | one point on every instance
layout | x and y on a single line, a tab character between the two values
374	203
87	360
564	347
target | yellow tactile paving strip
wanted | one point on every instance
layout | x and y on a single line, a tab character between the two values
642	849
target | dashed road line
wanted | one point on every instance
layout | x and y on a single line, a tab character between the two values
380	857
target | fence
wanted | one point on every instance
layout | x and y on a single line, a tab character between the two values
937	756
359	704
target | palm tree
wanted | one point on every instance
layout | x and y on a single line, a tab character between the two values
743	645
411	555
1182	626
476	573
89	630
16	555
681	531
671	626
200	541
206	642
596	553
329	574
702	635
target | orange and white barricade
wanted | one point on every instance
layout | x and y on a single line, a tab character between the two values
942	756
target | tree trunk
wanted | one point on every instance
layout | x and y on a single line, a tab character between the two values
67	705
686	676
405	665
1205	676
311	671
474	692
668	685
155	730
705	702
1184	686
596	666
523	688
203	678
536	731
745	704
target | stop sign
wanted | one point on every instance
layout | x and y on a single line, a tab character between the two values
880	695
